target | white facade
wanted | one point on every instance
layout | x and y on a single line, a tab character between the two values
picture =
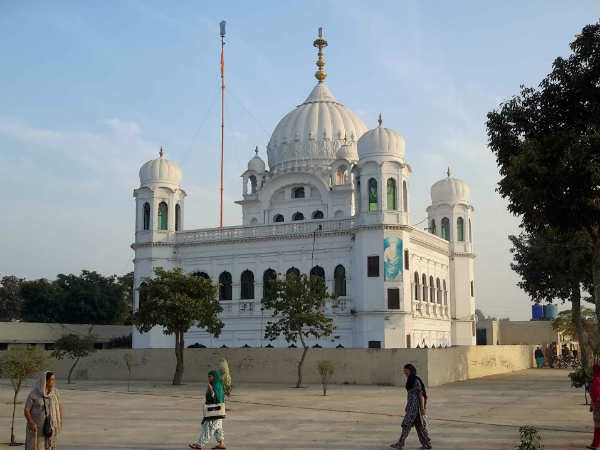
336	199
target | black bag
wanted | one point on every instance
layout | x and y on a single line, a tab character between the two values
47	431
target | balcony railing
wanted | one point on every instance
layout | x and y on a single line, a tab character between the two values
246	308
264	231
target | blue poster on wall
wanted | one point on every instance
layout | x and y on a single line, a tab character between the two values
392	258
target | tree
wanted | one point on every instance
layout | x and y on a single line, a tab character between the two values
177	301
325	369
225	377
555	266
90	298
18	364
298	308
11	302
39	301
126	283
546	145
75	347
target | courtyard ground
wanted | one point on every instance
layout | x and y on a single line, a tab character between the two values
476	414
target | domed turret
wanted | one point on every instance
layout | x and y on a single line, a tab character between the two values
383	142
160	171
347	152
450	190
256	164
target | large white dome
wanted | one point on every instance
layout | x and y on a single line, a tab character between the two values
160	171
311	134
451	191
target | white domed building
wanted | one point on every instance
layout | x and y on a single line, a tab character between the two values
335	202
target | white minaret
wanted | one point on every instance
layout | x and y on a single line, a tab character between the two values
450	217
159	215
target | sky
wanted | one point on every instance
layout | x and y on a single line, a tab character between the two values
89	91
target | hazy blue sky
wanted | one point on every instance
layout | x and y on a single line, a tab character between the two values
90	90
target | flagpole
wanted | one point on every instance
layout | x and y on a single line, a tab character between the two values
222	25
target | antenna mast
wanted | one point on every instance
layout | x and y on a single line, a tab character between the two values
222	25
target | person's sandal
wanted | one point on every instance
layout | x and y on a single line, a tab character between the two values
398	446
194	446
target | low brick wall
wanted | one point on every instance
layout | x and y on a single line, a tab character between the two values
353	366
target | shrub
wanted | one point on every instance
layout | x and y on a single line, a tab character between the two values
120	342
530	438
326	370
225	377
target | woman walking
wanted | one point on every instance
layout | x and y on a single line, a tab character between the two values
595	407
44	414
212	426
416	402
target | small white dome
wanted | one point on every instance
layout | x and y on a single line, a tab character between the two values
450	190
381	141
160	171
347	152
256	163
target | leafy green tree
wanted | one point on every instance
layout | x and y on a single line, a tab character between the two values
75	347
126	283
555	266
11	302
39	301
18	364
177	301
90	298
298	308
326	370
546	143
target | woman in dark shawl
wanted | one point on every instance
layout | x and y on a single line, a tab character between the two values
212	426
416	403
595	407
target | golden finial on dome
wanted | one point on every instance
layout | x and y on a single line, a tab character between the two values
448	172
379	120
320	43
160	153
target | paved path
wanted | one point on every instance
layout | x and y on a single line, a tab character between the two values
477	414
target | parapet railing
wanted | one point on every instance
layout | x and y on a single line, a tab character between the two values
265	231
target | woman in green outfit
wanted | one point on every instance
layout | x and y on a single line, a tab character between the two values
212	426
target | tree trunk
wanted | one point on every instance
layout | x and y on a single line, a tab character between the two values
71	370
577	323
178	377
299	383
596	278
12	426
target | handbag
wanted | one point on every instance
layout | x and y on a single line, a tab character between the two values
47	430
214	411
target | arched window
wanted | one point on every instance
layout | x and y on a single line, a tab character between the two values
405	196
146	216
417	287
292	271
445	293
225	286
278	218
339	214
142	296
391	194
317	271
163	213
470	232
432	226
446	228
253	221
268	277
439	291
372	185
298	216
252	184
177	217
460	229
339	275
425	290
341	176
298	192
247	285
431	290
201	275
317	215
